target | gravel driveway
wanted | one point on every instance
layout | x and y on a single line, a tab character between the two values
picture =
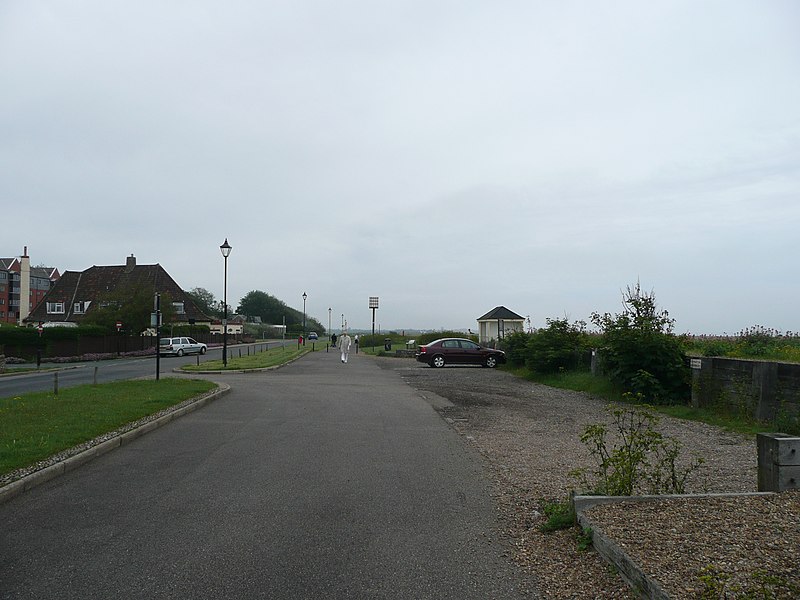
529	435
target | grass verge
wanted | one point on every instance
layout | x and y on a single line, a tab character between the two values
262	360
35	426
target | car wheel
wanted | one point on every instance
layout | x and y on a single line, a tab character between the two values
203	350
491	362
437	361
180	352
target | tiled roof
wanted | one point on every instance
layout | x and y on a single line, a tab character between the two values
95	283
501	312
6	263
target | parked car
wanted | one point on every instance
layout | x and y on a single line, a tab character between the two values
312	335
178	346
458	351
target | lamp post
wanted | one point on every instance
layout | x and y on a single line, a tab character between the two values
304	317
225	248
329	323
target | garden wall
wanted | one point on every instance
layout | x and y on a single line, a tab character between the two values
768	391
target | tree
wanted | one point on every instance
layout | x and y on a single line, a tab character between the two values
639	351
272	311
205	301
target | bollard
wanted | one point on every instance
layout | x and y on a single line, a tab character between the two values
198	360
94	378
55	384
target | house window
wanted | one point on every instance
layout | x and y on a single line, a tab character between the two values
178	306
80	308
55	308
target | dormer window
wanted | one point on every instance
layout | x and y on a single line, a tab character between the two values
80	308
178	306
55	308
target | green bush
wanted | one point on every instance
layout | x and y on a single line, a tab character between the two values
632	456
560	346
639	352
515	347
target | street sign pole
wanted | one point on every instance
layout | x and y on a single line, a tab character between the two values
373	304
156	320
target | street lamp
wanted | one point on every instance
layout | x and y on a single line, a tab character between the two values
329	323
304	317
225	248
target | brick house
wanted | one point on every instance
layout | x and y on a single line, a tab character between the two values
19	280
76	293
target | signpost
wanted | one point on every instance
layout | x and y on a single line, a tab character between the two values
155	321
373	304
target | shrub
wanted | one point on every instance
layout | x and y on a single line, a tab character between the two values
641	461
559	346
638	350
515	347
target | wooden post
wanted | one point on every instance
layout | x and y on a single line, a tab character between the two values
778	462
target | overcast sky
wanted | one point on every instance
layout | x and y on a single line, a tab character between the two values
446	156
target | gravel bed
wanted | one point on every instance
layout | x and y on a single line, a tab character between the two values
529	435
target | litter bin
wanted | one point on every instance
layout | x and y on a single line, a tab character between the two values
387	344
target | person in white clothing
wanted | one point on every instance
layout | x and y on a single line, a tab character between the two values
344	345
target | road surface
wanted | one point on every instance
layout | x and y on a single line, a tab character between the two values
318	480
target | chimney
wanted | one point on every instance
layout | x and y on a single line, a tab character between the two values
24	285
130	264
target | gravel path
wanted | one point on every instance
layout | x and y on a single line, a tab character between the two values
529	435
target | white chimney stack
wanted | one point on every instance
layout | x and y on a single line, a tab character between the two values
24	285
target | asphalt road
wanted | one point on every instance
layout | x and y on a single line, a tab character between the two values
318	480
27	379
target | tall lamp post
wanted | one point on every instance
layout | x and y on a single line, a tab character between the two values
304	317
225	248
329	323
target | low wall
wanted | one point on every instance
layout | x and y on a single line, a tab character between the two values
768	391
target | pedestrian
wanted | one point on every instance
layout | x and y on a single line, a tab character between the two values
355	339
333	340
344	346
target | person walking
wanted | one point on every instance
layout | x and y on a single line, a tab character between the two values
344	346
333	340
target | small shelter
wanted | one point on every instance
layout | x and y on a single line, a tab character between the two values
498	322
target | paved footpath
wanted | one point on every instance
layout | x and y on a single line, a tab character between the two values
318	480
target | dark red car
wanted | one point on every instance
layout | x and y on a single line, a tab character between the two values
458	351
